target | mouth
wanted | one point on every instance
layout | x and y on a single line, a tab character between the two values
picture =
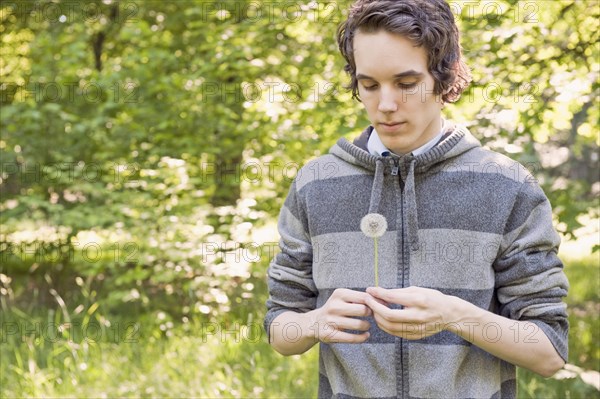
386	126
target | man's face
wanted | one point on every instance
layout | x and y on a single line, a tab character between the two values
396	88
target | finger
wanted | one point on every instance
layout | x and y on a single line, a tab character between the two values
357	325
345	337
346	323
377	307
392	315
352	296
397	296
342	323
354	309
398	329
383	327
388	326
394	328
381	301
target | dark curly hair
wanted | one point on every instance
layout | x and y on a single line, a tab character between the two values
427	23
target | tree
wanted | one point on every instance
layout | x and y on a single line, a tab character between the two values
171	122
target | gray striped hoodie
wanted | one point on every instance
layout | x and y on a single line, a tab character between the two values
463	220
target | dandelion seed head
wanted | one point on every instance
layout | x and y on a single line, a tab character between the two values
373	225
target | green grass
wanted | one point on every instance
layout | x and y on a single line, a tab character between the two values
182	365
145	356
532	386
583	304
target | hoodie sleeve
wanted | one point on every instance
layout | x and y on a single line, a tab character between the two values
290	281
530	282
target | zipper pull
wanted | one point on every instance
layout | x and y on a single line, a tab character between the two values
395	167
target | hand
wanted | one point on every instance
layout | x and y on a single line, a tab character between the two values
425	313
339	314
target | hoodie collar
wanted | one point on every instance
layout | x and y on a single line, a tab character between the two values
455	140
376	147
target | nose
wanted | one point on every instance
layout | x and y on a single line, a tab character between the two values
387	101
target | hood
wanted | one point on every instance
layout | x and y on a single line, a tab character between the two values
456	140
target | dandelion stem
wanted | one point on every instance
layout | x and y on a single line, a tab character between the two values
376	264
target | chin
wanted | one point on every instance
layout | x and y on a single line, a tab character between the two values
401	146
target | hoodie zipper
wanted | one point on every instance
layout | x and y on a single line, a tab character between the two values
395	167
399	348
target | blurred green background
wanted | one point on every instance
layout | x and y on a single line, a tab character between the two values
147	146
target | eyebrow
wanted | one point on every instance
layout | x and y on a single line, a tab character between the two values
409	73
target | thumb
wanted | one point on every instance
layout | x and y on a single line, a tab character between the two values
379	293
396	296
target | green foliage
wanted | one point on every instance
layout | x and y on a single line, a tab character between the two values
535	84
146	148
133	155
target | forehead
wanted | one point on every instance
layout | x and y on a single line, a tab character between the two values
383	54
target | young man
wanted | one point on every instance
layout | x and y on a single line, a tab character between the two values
470	284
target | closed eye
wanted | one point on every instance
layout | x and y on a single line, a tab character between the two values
407	85
404	86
